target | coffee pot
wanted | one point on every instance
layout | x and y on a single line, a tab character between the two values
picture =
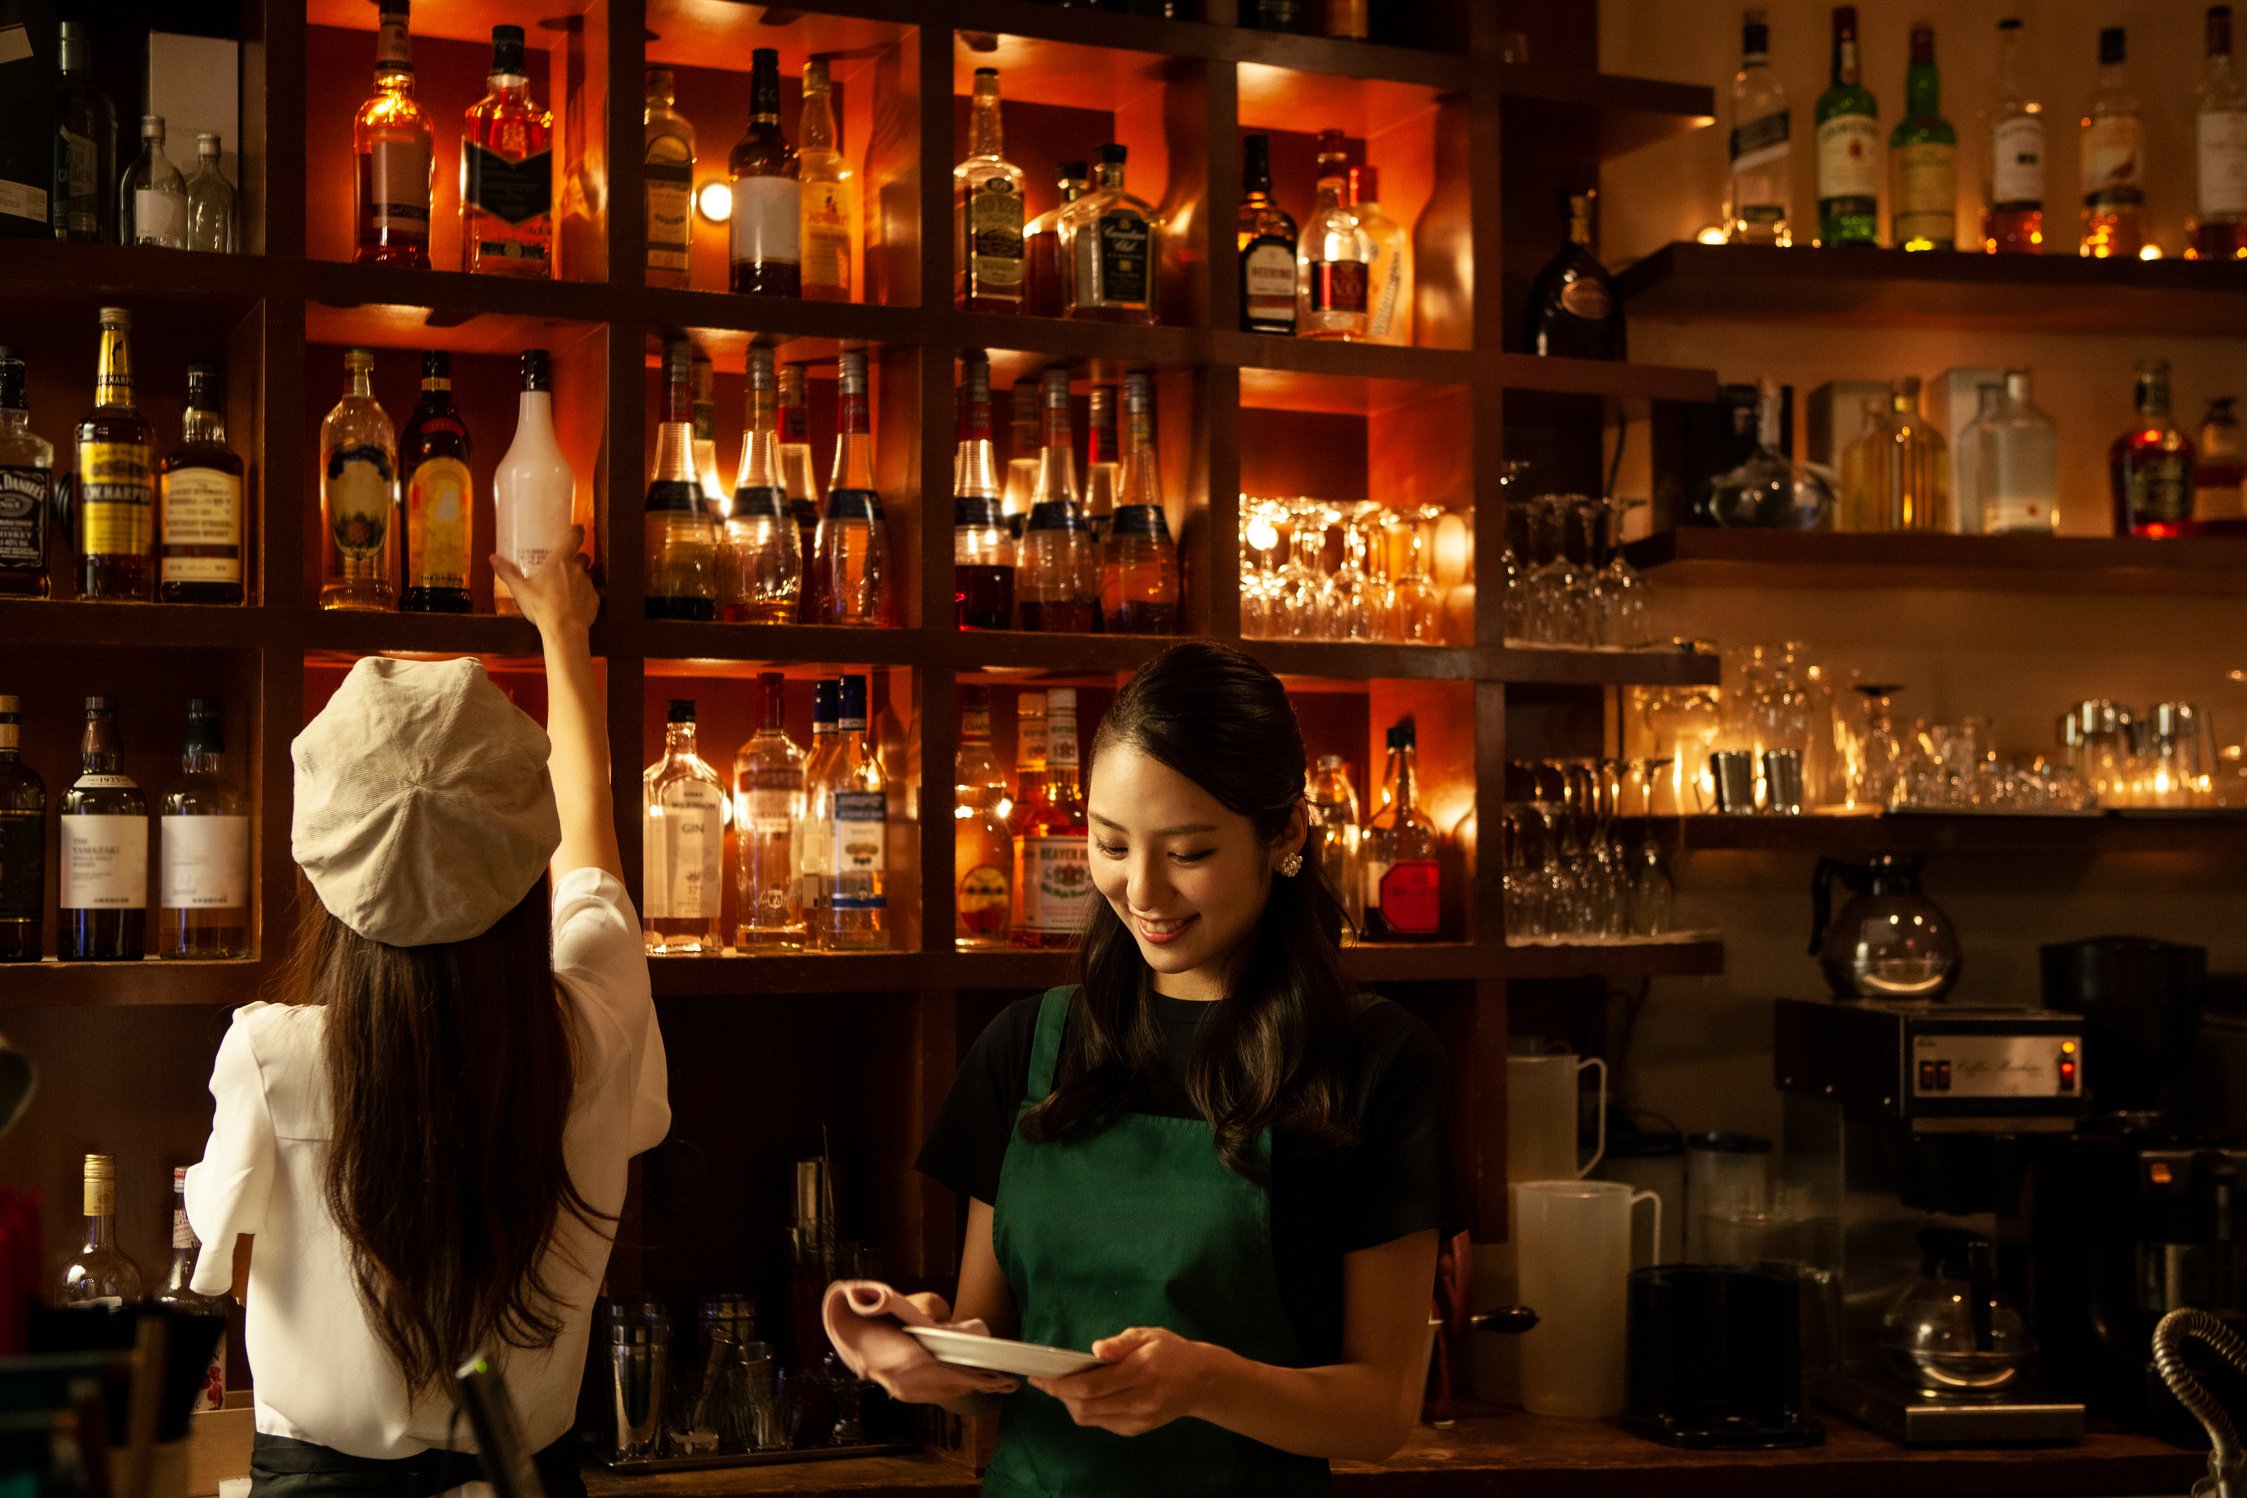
1950	1332
1889	941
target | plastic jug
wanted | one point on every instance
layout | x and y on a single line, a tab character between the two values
1543	1104
1574	1242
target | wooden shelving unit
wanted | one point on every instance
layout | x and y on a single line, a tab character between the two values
1716	558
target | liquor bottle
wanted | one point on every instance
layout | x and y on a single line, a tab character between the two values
1923	158
210	201
982	848
1349	19
1967	496
104	850
1139	581
982	546
1266	241
152	200
439	496
507	171
2151	464
667	168
1848	146
1057	572
204	856
2018	468
987	210
714	491
829	234
1761	185
1108	238
1399	852
100	1273
768	808
397	164
761	566
682	843
1333	803
1332	274
23	842
1025	446
1103	467
815	830
2219	232
1054	872
682	562
856	802
850	553
2013	198
1896	476
85	143
179	1295
1388	294
27	480
1573	311
2113	155
767	254
199	503
358	495
1030	743
797	478
1045	269
116	501
2218	506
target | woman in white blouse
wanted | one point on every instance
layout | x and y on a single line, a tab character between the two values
428	1143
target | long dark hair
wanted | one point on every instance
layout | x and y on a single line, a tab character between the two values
1274	1052
450	1073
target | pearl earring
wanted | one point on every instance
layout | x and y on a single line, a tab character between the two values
1291	865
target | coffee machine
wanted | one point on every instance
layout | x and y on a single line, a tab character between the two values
1914	1129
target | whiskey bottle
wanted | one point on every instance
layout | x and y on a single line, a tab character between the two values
200	508
982	850
761	570
767	253
768	810
1057	576
667	169
850	554
23	843
116	503
2013	215
982	546
2219	508
2219	231
682	833
1331	259
1573	311
987	210
507	171
1848	146
1896	476
714	491
104	850
1139	577
856	802
1388	295
392	143
1045	269
1761	183
179	1294
440	496
1266	242
797	479
1400	852
682	572
2151	464
829	235
204	904
2113	158
85	143
100	1273
1108	237
152	200
27	477
533	490
1054	872
212	222
358	495
1923	158
1103	468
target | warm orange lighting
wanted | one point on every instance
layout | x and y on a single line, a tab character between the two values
2150	252
716	201
2067	1047
2159	1173
1711	235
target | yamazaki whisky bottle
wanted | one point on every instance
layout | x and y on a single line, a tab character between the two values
104	850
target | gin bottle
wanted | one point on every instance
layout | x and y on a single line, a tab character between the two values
2018	467
682	848
855	801
768	810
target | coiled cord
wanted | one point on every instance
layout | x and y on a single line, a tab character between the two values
2226	1478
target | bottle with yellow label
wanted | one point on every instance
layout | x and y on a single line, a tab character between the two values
358	496
830	194
116	506
440	495
199	493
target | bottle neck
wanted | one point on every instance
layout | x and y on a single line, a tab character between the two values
203	426
674	439
1109	176
854	444
975	464
201	759
2113	77
359	384
816	129
1061	751
98	753
2153	397
510	87
760	449
678	741
101	1211
1334	183
1923	89
113	380
1408	780
984	135
1142	481
1844	60
1057	459
1580	226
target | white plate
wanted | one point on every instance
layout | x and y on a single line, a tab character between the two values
1000	1355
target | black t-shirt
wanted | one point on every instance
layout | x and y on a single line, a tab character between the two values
1393	1181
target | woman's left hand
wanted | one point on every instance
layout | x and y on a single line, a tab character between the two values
1153	1377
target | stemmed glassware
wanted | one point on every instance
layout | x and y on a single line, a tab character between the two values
1583	862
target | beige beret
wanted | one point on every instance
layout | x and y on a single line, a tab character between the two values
423	809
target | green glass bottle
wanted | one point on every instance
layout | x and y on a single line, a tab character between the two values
1848	146
1923	159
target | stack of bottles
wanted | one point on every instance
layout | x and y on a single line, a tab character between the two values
1347	275
1386	866
1314	569
100	1273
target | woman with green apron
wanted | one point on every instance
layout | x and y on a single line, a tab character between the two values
1209	1162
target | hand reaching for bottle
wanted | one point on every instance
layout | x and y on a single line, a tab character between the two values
559	597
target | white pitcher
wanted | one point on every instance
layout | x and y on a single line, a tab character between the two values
1574	1243
1543	1104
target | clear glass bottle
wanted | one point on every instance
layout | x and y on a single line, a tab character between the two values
1388	297
1045	270
358	495
2219	508
1029	766
1103	465
2113	159
797	479
714	491
23	842
1025	446
682	561
1848	145
179	1295
1053	877
982	546
2013	192
200	520
850	557
2019	464
857	807
761	571
1057	573
815	830
152	200
27	483
2219	230
768	811
982	848
1896	477
1923	158
85	143
393	145
682	844
210	202
507	171
667	160
1967	497
1333	271
440	496
2150	466
103	849
1761	182
1401	853
1265	242
767	255
204	901
1767	490
1572	310
829	237
1139	578
987	210
115	504
100	1273
534	493
1334	812
1109	239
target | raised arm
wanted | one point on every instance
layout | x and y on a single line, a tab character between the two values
559	598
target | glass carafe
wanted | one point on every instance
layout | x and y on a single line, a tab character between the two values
1889	941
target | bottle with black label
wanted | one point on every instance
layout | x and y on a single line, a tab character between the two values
199	503
1108	236
104	850
1267	246
507	171
23	843
27	478
204	906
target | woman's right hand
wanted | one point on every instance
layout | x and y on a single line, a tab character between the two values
558	598
866	1320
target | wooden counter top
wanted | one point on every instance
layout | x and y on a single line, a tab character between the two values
1512	1455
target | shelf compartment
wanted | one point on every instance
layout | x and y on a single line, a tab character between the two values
1966	832
1617	114
63	274
149	981
1696	557
1877	288
1688	955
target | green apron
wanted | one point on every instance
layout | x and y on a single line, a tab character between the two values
1136	1224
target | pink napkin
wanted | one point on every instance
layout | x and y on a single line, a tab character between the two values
864	1320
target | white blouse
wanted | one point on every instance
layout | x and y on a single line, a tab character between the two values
321	1373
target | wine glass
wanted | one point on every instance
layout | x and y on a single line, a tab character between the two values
1552	581
1416	611
1260	583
